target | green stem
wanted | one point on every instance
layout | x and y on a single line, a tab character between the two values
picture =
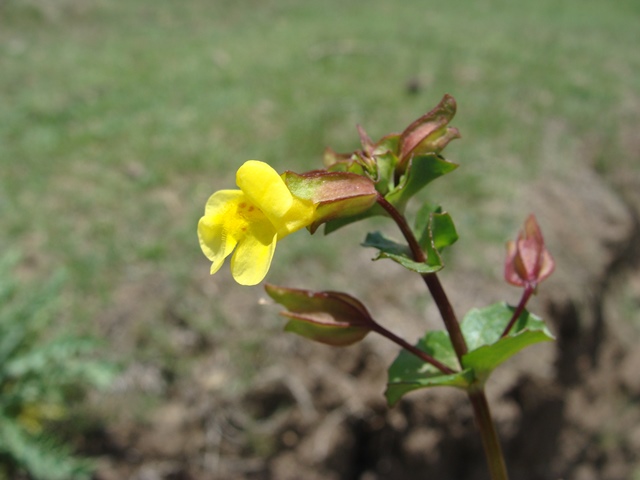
490	441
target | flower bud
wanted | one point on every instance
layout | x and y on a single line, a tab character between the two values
332	318
528	261
429	133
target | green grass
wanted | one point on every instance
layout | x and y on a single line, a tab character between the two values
118	119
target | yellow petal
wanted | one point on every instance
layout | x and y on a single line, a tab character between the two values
264	188
216	240
252	259
222	201
300	215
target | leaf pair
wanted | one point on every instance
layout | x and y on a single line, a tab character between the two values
434	230
482	330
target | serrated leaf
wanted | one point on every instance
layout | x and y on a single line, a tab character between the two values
422	170
409	373
482	329
399	253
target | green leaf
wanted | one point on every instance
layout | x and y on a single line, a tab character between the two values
443	231
408	372
386	245
422	170
435	231
399	253
482	329
423	217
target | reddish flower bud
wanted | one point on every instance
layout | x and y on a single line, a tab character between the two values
528	261
429	133
332	318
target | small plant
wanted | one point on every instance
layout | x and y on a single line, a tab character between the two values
380	179
40	378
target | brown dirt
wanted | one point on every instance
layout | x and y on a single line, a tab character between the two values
567	410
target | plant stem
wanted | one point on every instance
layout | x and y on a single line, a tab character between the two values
490	441
526	294
425	357
448	315
431	280
482	414
416	250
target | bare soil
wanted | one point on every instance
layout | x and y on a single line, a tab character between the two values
567	410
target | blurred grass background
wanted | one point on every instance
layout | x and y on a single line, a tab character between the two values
119	118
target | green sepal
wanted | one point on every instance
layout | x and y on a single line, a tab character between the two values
388	143
408	372
386	166
400	253
343	162
421	170
482	329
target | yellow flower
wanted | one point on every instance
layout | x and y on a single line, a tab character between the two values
250	221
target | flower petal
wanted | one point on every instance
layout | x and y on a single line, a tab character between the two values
252	259
510	273
300	215
547	265
264	188
221	201
216	241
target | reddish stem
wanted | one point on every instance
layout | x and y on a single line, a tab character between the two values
425	357
477	396
526	295
431	280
